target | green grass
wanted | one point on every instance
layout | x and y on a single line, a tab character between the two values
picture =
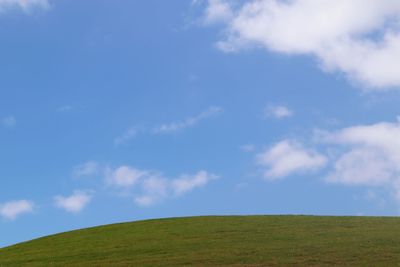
220	241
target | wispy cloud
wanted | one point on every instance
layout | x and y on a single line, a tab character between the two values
9	122
217	11
167	128
155	188
248	148
126	136
187	123
278	112
65	108
86	169
150	187
25	5
13	209
186	183
74	203
124	176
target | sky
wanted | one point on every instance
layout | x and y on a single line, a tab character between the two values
114	111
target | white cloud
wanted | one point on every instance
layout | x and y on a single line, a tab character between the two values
358	38
361	166
362	155
86	169
371	155
217	11
279	112
189	122
187	183
154	189
73	203
11	210
126	136
124	176
168	128
248	148
25	5
145	200
289	157
150	187
9	122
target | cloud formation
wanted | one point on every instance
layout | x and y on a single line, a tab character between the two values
153	189
86	169
278	111
187	183
25	5
370	157
150	187
358	38
73	203
9	122
217	11
189	122
124	176
360	155
13	209
248	148
168	128
126	136
287	158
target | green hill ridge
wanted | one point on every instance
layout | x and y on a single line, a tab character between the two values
219	241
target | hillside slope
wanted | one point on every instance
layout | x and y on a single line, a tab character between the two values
219	241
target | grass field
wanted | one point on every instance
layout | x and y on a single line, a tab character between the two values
220	241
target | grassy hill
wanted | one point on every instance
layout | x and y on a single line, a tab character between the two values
219	241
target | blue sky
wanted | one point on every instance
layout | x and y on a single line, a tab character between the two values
132	110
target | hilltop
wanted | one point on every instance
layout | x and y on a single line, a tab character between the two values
219	241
